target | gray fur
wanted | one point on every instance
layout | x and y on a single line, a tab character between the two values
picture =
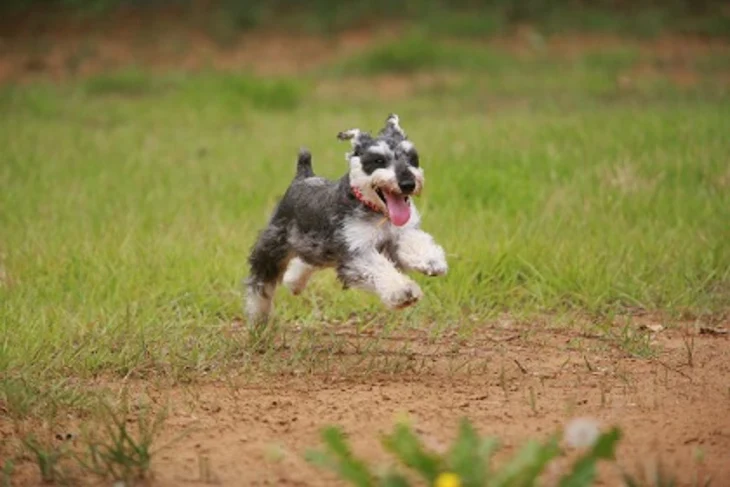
323	224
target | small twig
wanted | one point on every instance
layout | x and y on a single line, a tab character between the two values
667	367
588	364
502	340
706	330
522	369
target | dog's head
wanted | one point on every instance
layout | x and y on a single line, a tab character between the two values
385	169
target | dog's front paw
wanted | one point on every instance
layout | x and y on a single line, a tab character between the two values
431	261
405	296
434	267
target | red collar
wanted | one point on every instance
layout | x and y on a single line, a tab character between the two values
362	200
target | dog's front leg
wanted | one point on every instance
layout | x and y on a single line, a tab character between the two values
375	273
416	250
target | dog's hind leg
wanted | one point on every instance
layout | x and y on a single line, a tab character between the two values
268	260
297	275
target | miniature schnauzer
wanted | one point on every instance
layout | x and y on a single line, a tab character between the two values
363	225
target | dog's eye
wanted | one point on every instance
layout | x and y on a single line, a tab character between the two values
380	161
413	160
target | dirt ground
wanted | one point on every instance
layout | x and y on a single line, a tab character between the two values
514	380
525	382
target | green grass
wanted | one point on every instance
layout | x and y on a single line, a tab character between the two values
128	206
117	443
417	52
496	73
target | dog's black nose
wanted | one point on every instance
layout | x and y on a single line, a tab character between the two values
407	186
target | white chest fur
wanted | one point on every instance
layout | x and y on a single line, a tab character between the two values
363	235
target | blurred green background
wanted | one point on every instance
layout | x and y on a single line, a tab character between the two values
461	17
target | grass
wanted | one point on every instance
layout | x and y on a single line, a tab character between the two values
8	468
117	443
129	201
126	220
241	91
122	452
48	458
417	52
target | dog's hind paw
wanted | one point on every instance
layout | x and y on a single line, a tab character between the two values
297	275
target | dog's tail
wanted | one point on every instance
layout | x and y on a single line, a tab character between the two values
304	164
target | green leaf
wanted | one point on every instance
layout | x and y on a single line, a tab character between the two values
406	446
584	469
335	439
605	446
488	447
340	459
393	479
469	455
529	463
582	475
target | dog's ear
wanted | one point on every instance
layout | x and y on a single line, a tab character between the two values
353	135
357	138
392	128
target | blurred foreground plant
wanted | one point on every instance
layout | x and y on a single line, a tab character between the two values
467	463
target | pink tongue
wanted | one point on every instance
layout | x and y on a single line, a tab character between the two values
398	207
